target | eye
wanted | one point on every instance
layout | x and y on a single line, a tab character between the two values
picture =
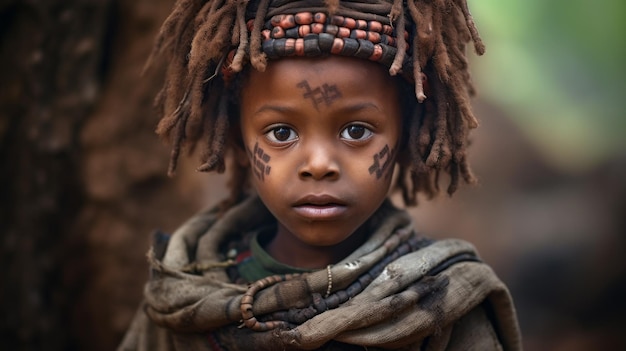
356	132
281	134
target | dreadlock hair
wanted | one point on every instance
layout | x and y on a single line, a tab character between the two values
203	40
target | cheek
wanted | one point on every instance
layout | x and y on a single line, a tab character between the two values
259	162
382	162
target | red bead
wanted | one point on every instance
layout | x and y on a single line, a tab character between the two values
373	37
375	26
343	32
304	18
337	46
359	34
278	32
288	21
304	30
266	34
349	22
361	24
299	46
317	28
377	54
320	17
337	20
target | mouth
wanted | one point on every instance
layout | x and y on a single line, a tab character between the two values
320	207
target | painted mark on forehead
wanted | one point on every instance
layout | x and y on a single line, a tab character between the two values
260	161
382	162
326	94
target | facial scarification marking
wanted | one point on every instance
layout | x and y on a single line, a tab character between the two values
382	161
325	94
260	162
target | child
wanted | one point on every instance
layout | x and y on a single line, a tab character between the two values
319	102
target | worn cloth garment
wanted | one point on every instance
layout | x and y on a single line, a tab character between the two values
396	291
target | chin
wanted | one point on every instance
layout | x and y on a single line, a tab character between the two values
323	237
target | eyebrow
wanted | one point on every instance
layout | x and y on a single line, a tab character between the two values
358	107
275	108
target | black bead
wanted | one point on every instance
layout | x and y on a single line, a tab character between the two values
350	46
311	45
326	41
331	29
384	39
389	53
290	50
291	32
366	49
343	296
279	47
268	49
319	303
365	280
353	289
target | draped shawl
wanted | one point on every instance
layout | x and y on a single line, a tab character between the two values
422	300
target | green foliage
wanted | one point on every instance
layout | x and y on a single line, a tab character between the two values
557	67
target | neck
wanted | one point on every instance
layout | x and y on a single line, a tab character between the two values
288	250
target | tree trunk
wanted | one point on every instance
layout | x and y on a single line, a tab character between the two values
83	175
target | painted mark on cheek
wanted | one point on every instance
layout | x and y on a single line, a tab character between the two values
325	94
382	162
260	161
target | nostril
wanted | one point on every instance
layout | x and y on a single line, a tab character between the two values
319	165
320	175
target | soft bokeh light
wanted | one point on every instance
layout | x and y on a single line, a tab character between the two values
557	68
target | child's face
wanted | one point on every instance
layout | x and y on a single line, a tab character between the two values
321	135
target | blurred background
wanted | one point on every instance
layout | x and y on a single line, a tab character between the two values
83	176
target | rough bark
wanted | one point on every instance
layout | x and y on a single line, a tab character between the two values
51	67
83	174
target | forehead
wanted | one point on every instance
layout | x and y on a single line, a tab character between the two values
352	76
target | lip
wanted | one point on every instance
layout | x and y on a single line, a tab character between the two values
320	207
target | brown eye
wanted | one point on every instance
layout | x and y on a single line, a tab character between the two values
356	132
281	135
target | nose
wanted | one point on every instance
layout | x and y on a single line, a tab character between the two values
319	164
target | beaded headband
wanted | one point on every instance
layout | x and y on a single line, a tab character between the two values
310	34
